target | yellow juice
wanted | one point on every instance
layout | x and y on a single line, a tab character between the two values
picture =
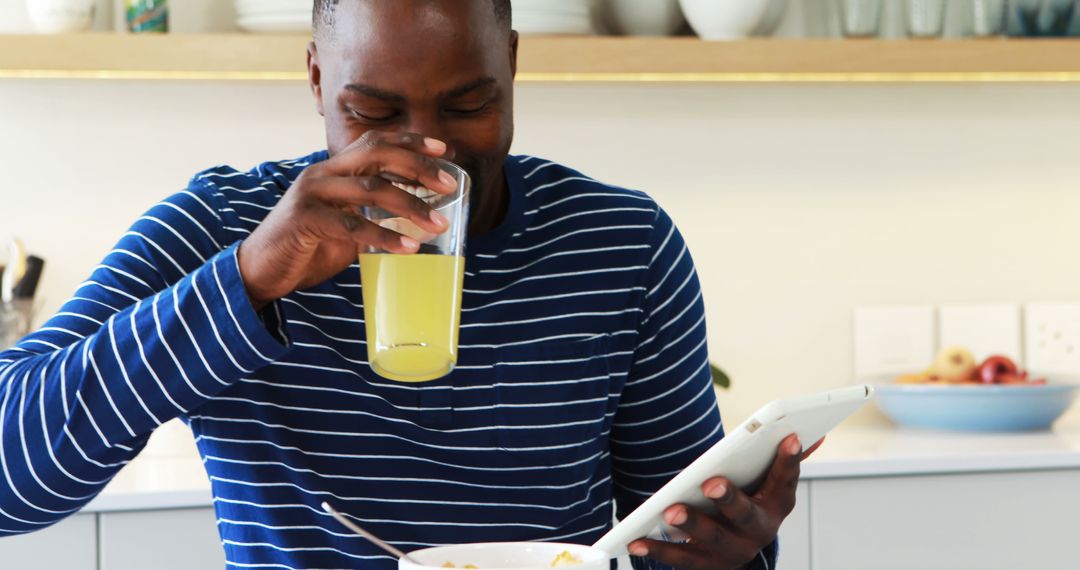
412	309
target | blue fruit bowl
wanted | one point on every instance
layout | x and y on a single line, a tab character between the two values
975	407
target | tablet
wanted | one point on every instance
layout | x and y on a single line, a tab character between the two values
744	456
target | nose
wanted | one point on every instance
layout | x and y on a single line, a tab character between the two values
430	124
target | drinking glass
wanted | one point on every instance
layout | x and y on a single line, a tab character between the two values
1048	18
412	302
988	17
925	18
860	18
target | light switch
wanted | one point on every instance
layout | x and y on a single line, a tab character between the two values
893	340
985	330
1052	339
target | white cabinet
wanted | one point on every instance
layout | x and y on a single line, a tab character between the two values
1001	520
990	520
69	544
180	539
795	533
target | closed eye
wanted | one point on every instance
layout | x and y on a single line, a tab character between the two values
469	109
373	118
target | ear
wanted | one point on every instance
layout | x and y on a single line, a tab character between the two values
513	52
315	76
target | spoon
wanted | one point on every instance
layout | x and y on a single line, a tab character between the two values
374	539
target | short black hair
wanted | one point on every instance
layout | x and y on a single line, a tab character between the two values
322	16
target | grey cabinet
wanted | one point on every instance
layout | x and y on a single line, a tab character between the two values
988	520
795	533
975	520
70	544
180	539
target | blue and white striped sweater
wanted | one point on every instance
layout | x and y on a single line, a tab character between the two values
582	379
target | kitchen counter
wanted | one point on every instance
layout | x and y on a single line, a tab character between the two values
854	450
904	473
886	450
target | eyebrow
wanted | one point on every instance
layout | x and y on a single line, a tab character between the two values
468	87
375	93
389	97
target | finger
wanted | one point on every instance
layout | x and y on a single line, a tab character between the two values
412	141
378	155
812	449
777	493
334	223
351	158
681	556
702	529
364	191
739	514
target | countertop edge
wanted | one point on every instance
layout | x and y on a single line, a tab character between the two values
812	470
150	501
900	467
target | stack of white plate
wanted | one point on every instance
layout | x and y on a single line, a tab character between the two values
553	17
273	15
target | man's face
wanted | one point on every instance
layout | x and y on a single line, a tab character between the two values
440	68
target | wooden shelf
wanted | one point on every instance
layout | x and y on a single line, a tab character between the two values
281	57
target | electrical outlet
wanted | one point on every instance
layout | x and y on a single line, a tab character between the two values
892	340
985	330
1052	338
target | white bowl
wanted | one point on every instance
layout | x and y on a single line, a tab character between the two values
646	17
60	16
774	14
724	19
505	556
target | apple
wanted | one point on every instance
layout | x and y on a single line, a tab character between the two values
954	364
999	369
1011	379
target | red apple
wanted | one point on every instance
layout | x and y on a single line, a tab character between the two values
1011	379
996	368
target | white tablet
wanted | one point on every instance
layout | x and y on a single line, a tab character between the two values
743	456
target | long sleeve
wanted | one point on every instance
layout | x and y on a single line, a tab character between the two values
162	325
668	413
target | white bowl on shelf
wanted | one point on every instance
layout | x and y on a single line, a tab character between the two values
553	17
774	15
273	16
645	17
724	19
60	16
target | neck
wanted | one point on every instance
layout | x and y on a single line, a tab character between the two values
488	210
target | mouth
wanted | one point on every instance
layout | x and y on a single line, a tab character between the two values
419	191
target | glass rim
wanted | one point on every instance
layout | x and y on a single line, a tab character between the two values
464	182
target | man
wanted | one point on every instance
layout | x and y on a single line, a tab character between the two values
235	305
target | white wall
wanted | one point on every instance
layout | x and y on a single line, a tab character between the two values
799	202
